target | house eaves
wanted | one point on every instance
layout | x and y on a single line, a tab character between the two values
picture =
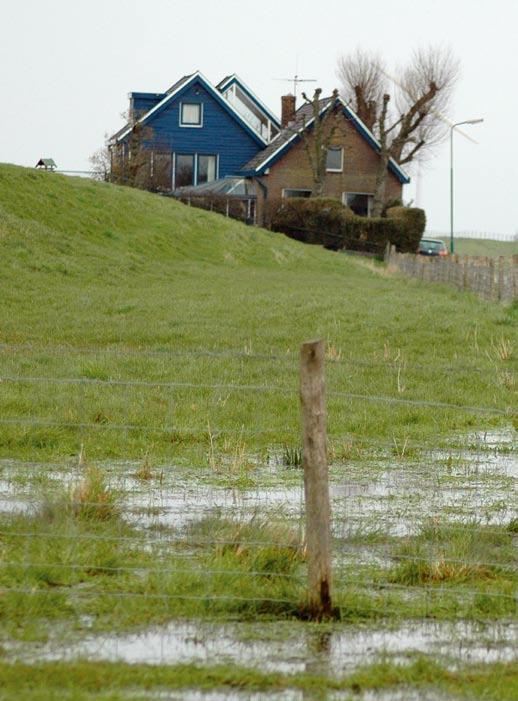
178	89
274	155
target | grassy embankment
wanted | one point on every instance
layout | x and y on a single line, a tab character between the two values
483	247
173	293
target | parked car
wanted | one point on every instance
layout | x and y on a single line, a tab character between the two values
432	247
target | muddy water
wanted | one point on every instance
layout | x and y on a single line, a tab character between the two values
391	495
293	647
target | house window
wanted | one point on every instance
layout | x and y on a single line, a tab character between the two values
359	202
295	192
191	114
335	159
207	166
184	171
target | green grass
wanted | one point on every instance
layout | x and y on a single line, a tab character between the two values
89	267
484	247
72	558
103	285
104	681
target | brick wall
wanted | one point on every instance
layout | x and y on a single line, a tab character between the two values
359	170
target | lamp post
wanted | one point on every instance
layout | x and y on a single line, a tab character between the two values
457	124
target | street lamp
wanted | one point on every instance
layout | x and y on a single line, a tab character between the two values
457	124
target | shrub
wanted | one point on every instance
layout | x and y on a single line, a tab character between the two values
313	220
326	221
411	223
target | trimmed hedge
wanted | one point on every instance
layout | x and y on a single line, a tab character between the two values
327	222
411	223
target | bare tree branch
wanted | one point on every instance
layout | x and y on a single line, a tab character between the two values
412	119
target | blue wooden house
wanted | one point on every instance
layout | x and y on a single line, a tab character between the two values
192	134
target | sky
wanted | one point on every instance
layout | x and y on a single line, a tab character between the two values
66	67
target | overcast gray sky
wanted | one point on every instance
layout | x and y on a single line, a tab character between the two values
66	67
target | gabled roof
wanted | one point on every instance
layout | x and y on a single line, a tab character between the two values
176	90
230	80
47	162
304	119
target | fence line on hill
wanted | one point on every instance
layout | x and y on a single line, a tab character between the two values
489	278
479	235
333	357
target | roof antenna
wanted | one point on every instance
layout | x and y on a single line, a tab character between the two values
295	79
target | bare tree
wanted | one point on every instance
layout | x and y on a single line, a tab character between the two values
324	125
101	162
130	160
407	117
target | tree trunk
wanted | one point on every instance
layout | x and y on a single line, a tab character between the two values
380	186
318	188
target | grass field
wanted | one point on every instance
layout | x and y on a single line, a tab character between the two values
149	443
484	247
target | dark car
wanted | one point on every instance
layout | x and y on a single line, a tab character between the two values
432	247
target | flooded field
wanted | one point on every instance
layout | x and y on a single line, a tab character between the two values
290	648
382	510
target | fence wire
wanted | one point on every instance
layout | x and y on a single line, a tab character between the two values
430	535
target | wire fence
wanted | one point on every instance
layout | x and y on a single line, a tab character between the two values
417	531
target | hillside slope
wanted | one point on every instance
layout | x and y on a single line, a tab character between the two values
88	266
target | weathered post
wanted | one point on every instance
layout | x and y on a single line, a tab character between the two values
491	262
501	266
316	484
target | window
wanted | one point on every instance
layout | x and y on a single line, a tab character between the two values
359	202
335	159
293	192
191	114
206	169
184	174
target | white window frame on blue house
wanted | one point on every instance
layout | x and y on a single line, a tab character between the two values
192	125
196	158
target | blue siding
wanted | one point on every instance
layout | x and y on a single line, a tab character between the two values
142	102
221	133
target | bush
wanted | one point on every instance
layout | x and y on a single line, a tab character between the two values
325	221
313	220
411	223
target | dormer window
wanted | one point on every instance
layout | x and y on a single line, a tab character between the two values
191	114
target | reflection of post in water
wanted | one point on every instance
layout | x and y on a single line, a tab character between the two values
319	644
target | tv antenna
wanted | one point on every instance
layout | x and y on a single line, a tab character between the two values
296	80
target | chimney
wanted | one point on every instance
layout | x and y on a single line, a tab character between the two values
287	109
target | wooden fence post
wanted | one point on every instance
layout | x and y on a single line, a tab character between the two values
501	266
316	484
491	262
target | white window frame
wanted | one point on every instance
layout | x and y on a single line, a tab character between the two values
294	189
341	169
188	125
194	171
370	201
216	165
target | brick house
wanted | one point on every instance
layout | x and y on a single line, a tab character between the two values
282	168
